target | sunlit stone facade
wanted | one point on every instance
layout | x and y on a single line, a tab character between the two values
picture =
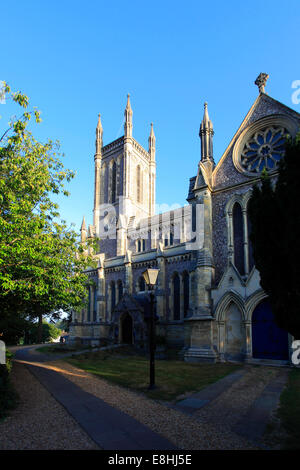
209	303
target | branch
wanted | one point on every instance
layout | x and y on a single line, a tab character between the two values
20	118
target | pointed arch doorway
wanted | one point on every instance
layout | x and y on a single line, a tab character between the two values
235	338
268	340
126	329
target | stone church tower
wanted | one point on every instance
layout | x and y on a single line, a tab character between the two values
124	184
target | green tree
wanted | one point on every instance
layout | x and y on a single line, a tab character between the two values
49	332
64	324
14	326
275	220
42	262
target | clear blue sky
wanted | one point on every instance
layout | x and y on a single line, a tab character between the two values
76	59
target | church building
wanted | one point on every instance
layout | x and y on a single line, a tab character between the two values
208	299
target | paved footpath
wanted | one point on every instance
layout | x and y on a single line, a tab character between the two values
226	402
108	427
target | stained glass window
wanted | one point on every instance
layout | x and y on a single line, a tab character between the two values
264	149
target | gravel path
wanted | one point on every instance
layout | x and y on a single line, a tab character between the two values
231	405
39	422
183	431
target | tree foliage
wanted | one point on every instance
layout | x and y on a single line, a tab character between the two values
49	332
64	323
275	220
42	262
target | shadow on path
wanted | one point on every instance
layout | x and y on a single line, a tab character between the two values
110	428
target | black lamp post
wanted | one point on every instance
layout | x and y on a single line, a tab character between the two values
150	276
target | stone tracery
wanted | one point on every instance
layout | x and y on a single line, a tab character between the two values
264	149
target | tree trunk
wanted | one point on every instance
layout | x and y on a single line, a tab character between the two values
40	329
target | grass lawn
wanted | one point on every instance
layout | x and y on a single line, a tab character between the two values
173	377
289	410
58	348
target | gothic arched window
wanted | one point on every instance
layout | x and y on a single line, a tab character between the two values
106	180
176	297
120	290
166	240
141	245
186	292
153	195
194	215
113	296
142	187
238	238
138	184
121	169
102	184
250	248
95	304
89	305
142	284
113	182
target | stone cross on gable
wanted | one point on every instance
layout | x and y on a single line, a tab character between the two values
261	81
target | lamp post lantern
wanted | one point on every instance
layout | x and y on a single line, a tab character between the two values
150	276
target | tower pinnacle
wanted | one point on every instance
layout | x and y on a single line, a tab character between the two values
151	142
206	134
128	118
99	136
83	224
99	125
83	230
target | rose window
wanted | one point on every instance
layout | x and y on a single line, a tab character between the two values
264	149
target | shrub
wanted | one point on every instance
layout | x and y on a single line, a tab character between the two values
8	395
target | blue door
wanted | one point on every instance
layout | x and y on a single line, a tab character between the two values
268	341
